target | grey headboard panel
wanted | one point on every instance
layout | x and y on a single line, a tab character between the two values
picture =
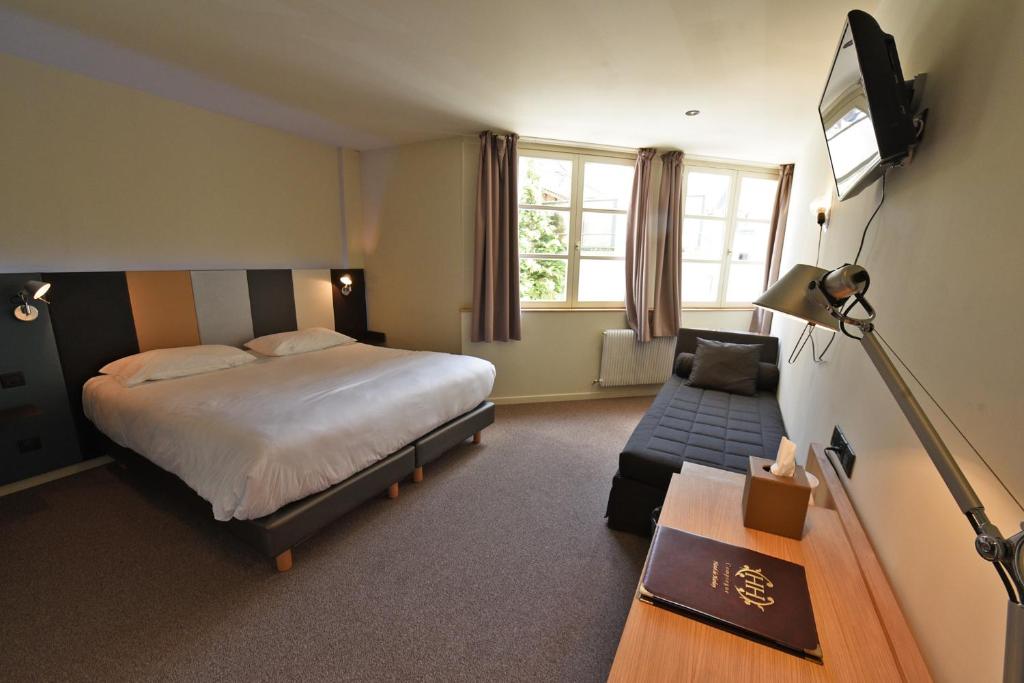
686	342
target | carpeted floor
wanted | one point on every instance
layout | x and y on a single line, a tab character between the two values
497	567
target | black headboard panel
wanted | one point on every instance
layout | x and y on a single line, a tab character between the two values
271	301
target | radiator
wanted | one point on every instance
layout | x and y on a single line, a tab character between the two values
624	361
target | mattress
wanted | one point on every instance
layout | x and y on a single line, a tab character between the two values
254	438
713	428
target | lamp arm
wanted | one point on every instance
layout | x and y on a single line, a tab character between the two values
1006	555
941	457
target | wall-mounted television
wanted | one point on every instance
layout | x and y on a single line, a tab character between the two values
866	109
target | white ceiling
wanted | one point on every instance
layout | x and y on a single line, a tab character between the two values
596	71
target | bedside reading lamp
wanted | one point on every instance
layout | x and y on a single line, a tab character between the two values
33	290
346	284
826	298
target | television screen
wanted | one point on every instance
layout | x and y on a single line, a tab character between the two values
866	107
846	118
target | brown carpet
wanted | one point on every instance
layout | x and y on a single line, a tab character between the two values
498	567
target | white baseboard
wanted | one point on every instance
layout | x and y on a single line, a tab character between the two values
52	475
625	392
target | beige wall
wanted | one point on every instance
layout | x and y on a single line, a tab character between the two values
412	241
944	254
350	170
559	356
99	176
418	207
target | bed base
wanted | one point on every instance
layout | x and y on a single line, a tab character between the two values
278	533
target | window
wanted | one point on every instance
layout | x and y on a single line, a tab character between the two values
726	222
572	228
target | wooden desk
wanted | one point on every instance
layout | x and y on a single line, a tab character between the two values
659	645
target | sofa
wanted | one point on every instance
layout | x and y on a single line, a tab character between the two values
689	424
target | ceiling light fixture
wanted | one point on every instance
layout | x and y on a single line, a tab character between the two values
692	112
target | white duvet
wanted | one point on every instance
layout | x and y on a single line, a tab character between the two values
253	438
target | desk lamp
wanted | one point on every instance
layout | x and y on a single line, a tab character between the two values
826	298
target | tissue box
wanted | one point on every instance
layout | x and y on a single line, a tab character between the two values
774	504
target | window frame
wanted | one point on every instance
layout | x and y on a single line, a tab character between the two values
579	158
736	171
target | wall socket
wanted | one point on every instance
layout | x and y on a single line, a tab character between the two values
32	443
844	453
9	380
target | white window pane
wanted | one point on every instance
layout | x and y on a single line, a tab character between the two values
707	194
746	282
542	279
602	280
703	239
700	282
607	186
751	242
604	234
543	232
757	199
545	182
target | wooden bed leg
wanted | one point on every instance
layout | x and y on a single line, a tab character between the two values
478	437
284	561
417	475
393	490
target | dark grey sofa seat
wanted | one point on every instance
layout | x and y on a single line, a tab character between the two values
687	424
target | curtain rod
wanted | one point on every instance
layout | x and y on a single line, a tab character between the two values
698	158
578	145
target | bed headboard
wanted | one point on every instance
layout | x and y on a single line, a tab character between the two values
686	342
97	317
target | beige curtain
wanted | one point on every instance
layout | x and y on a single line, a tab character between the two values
761	323
668	259
636	248
496	257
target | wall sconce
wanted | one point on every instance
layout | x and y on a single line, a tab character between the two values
821	209
33	290
346	284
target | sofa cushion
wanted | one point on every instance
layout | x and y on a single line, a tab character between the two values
704	426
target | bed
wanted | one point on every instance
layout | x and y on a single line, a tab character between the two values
283	446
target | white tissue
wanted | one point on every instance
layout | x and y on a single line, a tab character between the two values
785	461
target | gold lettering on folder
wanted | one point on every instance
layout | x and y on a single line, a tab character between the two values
754	589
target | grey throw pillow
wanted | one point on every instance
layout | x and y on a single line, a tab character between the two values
725	367
767	373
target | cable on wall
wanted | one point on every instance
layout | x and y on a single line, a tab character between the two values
868	224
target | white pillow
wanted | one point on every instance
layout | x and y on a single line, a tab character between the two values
177	362
300	341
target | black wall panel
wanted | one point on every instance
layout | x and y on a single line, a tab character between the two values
38	433
99	303
350	311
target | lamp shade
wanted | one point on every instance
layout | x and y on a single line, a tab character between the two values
790	296
34	289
